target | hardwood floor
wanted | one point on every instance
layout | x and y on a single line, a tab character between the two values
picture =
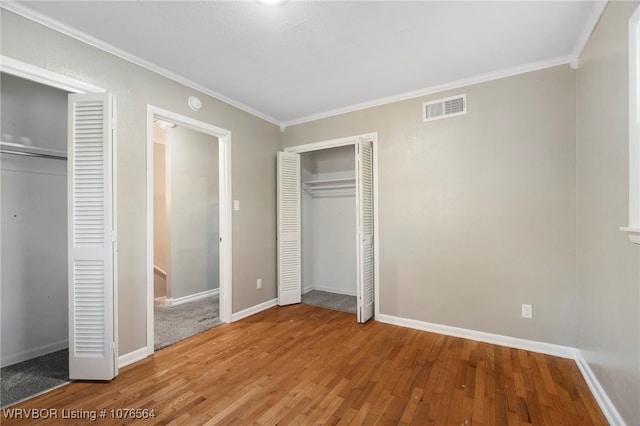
307	365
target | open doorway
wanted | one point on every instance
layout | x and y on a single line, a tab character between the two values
189	227
186	233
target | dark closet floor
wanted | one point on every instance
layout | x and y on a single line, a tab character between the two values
324	299
33	377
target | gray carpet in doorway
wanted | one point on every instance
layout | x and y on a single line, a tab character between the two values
324	299
33	377
175	323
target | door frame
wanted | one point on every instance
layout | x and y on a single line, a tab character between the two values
352	140
225	210
49	78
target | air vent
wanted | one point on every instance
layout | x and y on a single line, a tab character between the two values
444	108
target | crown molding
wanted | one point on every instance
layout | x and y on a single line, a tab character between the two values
596	12
572	59
483	78
26	12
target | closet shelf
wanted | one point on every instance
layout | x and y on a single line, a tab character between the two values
318	183
330	187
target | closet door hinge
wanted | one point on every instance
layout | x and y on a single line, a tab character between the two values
114	348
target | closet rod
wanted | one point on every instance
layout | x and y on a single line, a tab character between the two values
33	154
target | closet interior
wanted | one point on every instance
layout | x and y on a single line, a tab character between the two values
328	226
34	288
326	223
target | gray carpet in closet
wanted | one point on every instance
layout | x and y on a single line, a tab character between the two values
338	302
33	377
175	323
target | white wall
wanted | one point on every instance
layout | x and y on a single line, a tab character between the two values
33	289
329	225
193	212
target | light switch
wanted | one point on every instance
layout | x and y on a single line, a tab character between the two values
236	205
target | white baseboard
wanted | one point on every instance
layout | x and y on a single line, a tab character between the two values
306	290
34	353
496	339
131	357
192	297
608	409
254	310
332	290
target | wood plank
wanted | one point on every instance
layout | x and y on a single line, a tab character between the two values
305	365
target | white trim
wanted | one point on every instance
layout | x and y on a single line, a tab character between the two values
483	78
131	357
376	231
254	310
351	140
608	409
225	212
34	353
596	12
47	21
481	336
25	12
329	290
634	234
634	129
333	143
46	77
192	297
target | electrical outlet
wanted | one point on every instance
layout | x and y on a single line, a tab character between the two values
259	283
527	311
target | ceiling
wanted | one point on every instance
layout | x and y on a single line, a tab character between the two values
300	60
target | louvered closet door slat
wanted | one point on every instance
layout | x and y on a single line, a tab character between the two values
289	255
91	356
364	165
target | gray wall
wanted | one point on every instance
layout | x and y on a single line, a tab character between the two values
33	265
477	212
34	257
608	264
34	114
160	225
254	143
193	217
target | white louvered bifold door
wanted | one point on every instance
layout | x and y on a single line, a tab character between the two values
289	256
92	352
364	197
